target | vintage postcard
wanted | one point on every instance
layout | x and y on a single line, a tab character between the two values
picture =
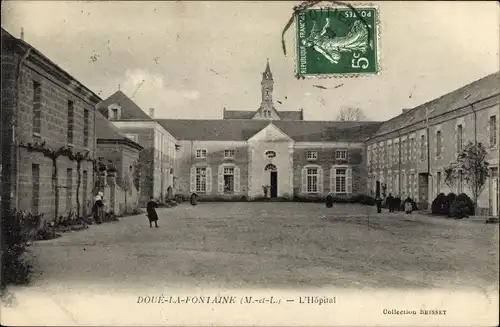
250	163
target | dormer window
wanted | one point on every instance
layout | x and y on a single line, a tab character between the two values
114	112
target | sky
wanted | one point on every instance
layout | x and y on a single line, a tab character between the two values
189	60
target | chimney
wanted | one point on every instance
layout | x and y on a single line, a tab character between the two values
151	112
22	33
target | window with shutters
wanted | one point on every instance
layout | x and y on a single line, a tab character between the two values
404	152
37	108
422	147
389	154
69	189
35	196
85	128
312	180
340	180
228	179
71	122
412	149
438	143
396	153
201	153
460	137
493	131
201	179
438	182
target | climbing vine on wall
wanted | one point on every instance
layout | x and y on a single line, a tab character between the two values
54	154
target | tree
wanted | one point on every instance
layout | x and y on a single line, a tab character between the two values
351	114
472	166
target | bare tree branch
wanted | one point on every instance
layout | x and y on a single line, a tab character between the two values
351	114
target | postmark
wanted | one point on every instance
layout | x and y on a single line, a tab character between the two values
337	41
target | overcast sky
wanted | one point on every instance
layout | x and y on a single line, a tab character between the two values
196	58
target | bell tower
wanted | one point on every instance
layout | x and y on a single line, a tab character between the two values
267	85
267	110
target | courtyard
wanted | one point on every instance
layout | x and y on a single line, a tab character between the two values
279	246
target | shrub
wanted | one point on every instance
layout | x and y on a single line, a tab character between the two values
438	206
459	209
19	228
367	200
468	201
450	198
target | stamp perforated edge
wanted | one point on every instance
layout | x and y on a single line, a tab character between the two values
328	5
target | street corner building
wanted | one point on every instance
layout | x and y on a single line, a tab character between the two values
48	134
247	154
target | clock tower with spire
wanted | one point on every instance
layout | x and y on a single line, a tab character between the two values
267	110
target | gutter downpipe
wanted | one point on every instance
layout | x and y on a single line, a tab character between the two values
15	140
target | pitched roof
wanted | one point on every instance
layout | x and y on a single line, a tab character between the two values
237	114
243	114
106	131
243	129
291	115
481	89
11	43
129	109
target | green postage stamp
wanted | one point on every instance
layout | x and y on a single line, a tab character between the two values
337	41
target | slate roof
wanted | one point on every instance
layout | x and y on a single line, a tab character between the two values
483	88
106	131
243	129
130	110
243	114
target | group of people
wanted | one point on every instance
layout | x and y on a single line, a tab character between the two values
394	204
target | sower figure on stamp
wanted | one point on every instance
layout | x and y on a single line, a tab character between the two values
151	212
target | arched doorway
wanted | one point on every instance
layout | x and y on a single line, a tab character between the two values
170	193
273	179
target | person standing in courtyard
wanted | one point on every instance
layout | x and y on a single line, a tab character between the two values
390	202
151	212
98	207
378	202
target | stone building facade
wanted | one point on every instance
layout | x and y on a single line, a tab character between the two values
157	157
410	151
247	152
121	154
44	109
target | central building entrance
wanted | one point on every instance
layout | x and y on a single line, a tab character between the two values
273	183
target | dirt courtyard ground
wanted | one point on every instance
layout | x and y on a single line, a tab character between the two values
284	246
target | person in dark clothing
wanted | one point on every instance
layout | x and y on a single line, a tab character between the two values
378	201
151	213
397	203
98	208
390	202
